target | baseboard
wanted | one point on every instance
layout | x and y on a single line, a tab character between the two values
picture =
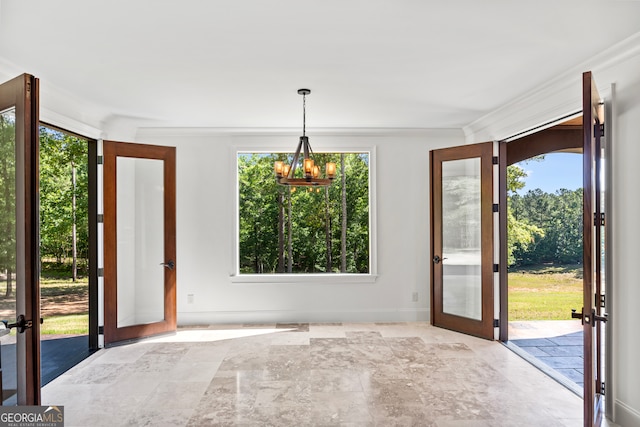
626	415
282	316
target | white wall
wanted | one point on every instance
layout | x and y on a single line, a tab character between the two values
205	236
626	245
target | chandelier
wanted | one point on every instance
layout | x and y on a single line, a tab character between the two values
286	174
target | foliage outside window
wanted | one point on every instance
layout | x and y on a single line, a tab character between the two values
303	229
63	198
543	228
7	199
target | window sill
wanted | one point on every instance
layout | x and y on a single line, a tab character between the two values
304	278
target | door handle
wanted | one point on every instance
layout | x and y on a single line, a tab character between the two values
169	264
21	324
437	259
586	319
604	318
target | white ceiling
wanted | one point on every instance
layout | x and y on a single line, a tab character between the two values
239	63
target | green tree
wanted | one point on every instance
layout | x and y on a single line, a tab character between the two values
258	213
559	214
522	234
299	228
63	196
7	199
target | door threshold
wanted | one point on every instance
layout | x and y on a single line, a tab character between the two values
546	369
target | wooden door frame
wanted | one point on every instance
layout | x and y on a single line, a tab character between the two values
22	94
112	150
483	328
593	402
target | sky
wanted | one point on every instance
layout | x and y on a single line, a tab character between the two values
557	170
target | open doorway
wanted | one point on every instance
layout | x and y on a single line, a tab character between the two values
545	277
65	250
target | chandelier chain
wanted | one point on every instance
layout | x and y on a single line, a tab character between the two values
304	114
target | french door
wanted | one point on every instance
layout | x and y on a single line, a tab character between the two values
139	240
593	316
462	247
19	242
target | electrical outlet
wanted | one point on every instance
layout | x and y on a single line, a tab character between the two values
190	298
414	297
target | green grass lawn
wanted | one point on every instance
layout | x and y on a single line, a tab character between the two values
544	292
69	324
64	306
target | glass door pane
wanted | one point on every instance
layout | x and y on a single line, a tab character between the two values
461	238
140	235
8	270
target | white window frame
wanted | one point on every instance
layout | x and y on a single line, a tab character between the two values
329	278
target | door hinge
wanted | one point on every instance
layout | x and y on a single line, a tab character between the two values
598	129
496	323
602	300
100	218
496	268
602	388
494	160
100	160
598	219
100	330
496	207
101	272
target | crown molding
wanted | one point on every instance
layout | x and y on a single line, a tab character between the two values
365	132
558	98
66	123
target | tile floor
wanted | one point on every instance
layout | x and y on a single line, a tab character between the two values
558	344
349	374
58	354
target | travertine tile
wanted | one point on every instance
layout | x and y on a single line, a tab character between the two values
388	374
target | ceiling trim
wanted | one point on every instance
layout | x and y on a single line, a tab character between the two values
66	123
370	132
556	99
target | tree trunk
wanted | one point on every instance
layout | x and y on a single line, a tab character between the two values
256	251
9	283
290	238
280	231
74	235
329	264
343	234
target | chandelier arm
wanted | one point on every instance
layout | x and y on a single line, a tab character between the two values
305	141
312	155
294	163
